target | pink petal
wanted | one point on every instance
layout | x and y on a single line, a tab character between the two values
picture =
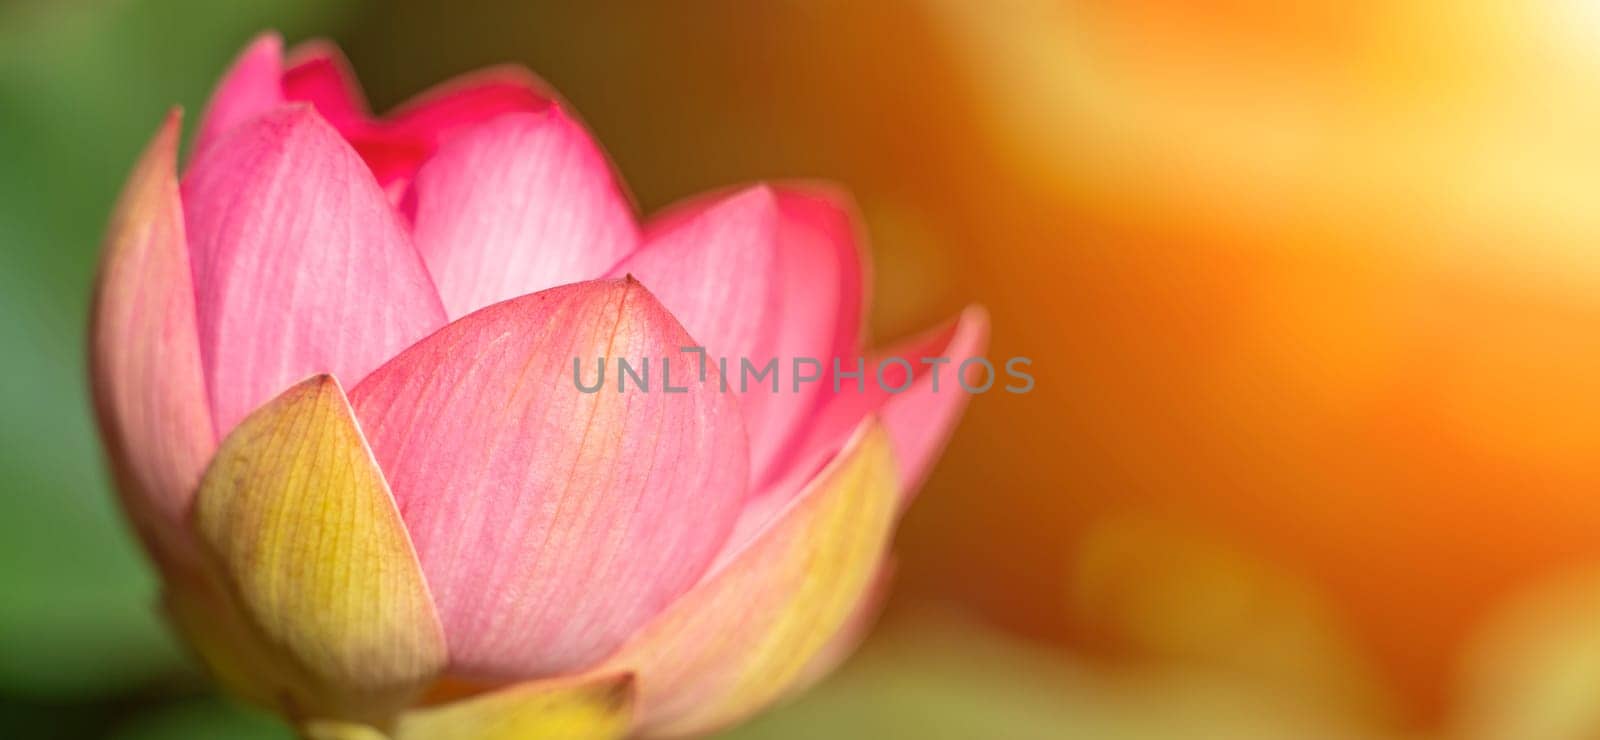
770	615
300	265
400	143
319	74
250	88
829	217
468	101
393	146
919	419
149	390
552	523
517	205
764	273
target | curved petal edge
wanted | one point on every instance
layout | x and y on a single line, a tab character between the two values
251	86
145	366
301	265
598	709
919	418
522	203
310	555
755	626
553	521
795	298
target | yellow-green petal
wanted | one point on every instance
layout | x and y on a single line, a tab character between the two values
747	633
311	560
539	710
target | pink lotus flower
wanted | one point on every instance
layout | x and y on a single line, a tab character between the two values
334	367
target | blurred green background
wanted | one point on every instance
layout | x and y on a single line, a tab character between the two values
1308	287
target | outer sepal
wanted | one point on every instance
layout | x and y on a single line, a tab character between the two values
751	628
597	709
144	353
311	601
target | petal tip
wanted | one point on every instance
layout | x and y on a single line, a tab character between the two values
171	124
825	190
975	317
315	50
303	545
761	193
318	71
269	41
319	385
162	151
658	451
285	127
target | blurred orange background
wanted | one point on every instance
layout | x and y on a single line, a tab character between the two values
1320	278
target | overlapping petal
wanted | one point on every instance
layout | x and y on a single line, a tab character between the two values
309	550
850	635
766	274
149	388
251	87
918	397
520	204
476	502
318	73
687	265
553	522
300	264
393	146
825	262
459	105
756	623
540	710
